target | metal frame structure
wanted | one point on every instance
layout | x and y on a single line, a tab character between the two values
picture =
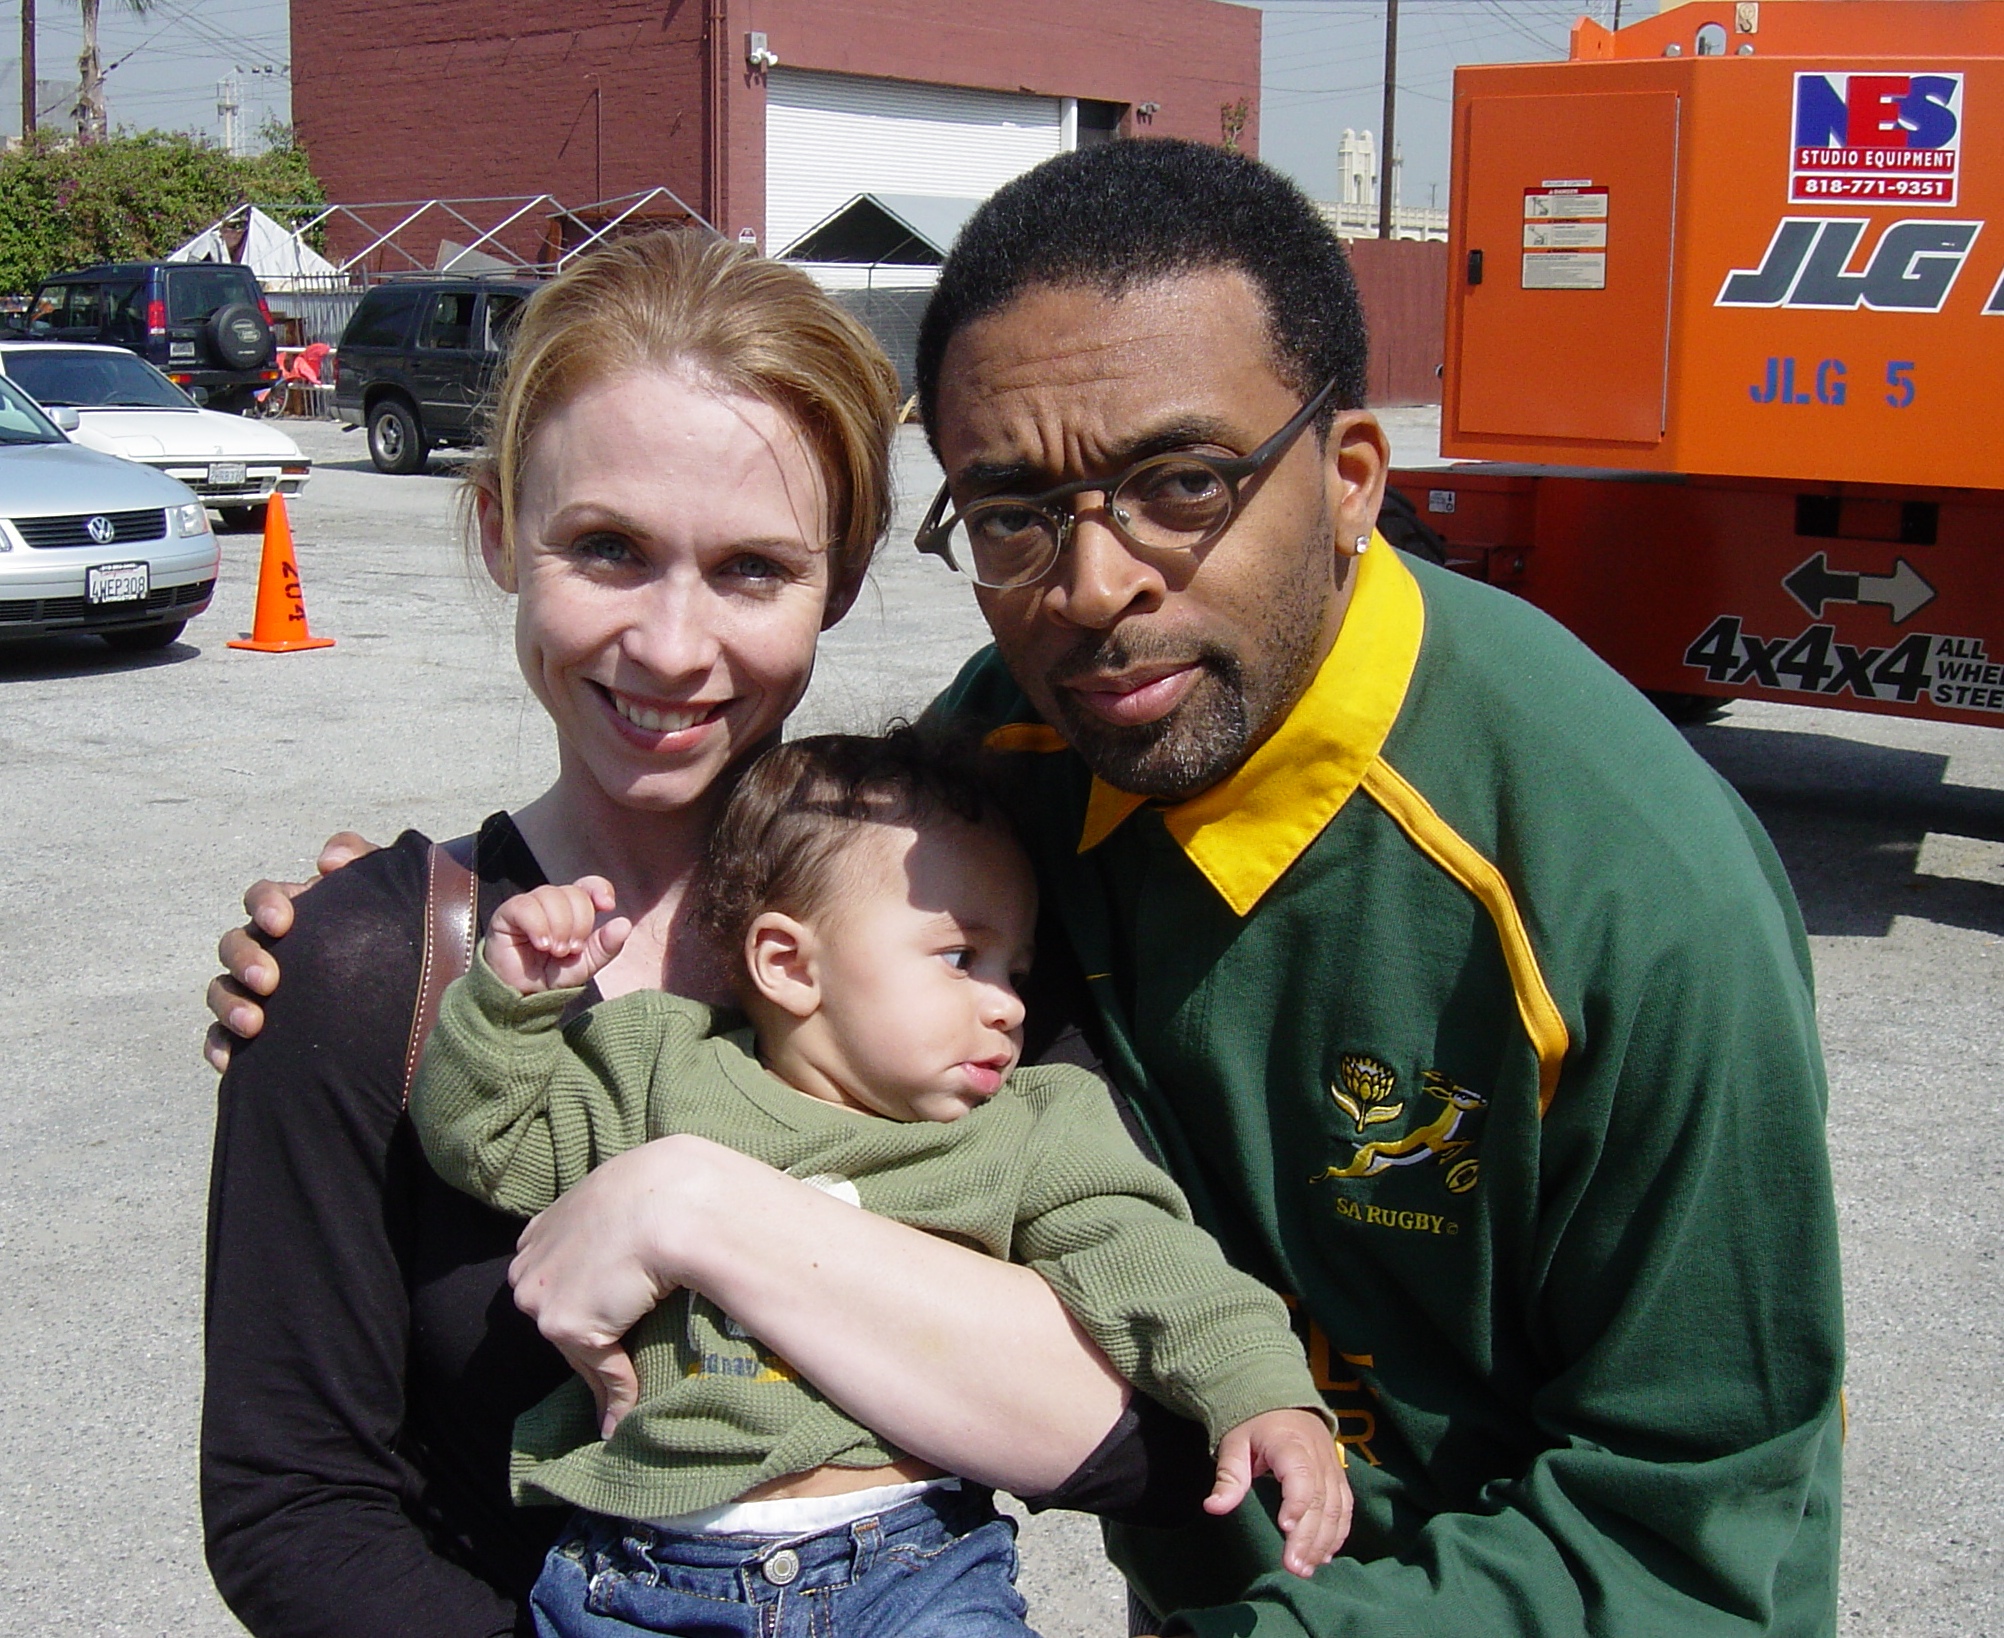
600	220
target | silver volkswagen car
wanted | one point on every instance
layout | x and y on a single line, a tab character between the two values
89	542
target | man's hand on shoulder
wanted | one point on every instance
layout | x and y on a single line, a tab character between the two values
250	971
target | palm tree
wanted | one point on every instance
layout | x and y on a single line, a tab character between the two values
91	120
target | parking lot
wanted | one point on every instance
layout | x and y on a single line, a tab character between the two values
140	793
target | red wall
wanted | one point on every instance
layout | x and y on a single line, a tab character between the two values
1402	284
457	99
452	98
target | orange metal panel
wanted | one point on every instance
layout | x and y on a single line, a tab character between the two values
1569	362
1872	599
1836	277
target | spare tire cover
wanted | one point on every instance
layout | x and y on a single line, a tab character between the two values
240	335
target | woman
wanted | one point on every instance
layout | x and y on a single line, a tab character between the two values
687	472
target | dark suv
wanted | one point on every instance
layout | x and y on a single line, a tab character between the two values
416	360
203	324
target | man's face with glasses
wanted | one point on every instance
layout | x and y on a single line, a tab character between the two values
1160	541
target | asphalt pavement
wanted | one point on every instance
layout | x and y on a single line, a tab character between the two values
138	795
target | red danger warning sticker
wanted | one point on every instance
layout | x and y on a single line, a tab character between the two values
1565	235
1871	137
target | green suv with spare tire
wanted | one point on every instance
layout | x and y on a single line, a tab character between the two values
417	360
204	325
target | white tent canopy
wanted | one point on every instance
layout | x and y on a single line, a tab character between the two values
279	258
206	246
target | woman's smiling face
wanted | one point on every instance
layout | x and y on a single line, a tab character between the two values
671	564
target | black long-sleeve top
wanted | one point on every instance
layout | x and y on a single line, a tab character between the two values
365	1359
365	1362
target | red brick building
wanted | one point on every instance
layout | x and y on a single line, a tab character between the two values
598	98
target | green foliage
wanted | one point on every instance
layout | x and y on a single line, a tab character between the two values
132	197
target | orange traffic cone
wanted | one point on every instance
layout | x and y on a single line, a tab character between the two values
280	624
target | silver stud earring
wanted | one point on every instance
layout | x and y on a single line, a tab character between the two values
1363	544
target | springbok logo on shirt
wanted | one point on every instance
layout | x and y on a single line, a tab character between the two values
1366	1096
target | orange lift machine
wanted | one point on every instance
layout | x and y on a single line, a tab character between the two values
1725	342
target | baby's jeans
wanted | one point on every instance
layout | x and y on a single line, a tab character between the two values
942	1565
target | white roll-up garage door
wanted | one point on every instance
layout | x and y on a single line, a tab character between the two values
829	137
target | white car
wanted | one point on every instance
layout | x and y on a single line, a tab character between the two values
123	406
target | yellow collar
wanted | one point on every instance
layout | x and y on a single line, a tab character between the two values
1244	832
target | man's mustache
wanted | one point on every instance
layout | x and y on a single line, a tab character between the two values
1112	653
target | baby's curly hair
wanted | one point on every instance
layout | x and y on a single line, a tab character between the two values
779	842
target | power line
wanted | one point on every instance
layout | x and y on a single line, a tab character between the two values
1516	25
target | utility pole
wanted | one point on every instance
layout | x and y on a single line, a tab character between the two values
27	69
91	118
229	105
1385	148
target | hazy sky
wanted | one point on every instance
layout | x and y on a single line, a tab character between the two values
1323	69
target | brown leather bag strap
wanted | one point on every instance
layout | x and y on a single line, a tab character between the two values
451	913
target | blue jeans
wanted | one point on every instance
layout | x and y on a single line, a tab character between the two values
942	1565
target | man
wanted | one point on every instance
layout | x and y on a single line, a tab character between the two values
1466	1003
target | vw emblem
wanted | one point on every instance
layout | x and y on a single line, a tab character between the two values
102	530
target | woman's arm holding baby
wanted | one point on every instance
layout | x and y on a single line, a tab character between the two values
959	1358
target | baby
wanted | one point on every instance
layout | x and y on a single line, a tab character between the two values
878	914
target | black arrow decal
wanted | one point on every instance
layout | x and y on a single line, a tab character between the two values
1812	585
1904	591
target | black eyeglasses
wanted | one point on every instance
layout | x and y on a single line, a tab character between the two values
1167	503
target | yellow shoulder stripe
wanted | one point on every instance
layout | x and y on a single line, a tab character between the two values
1443	844
1024	736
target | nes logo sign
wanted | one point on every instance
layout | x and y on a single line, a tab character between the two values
1867	137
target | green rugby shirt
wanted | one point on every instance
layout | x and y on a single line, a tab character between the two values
1475	1011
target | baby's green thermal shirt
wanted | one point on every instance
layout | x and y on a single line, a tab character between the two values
515	1107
